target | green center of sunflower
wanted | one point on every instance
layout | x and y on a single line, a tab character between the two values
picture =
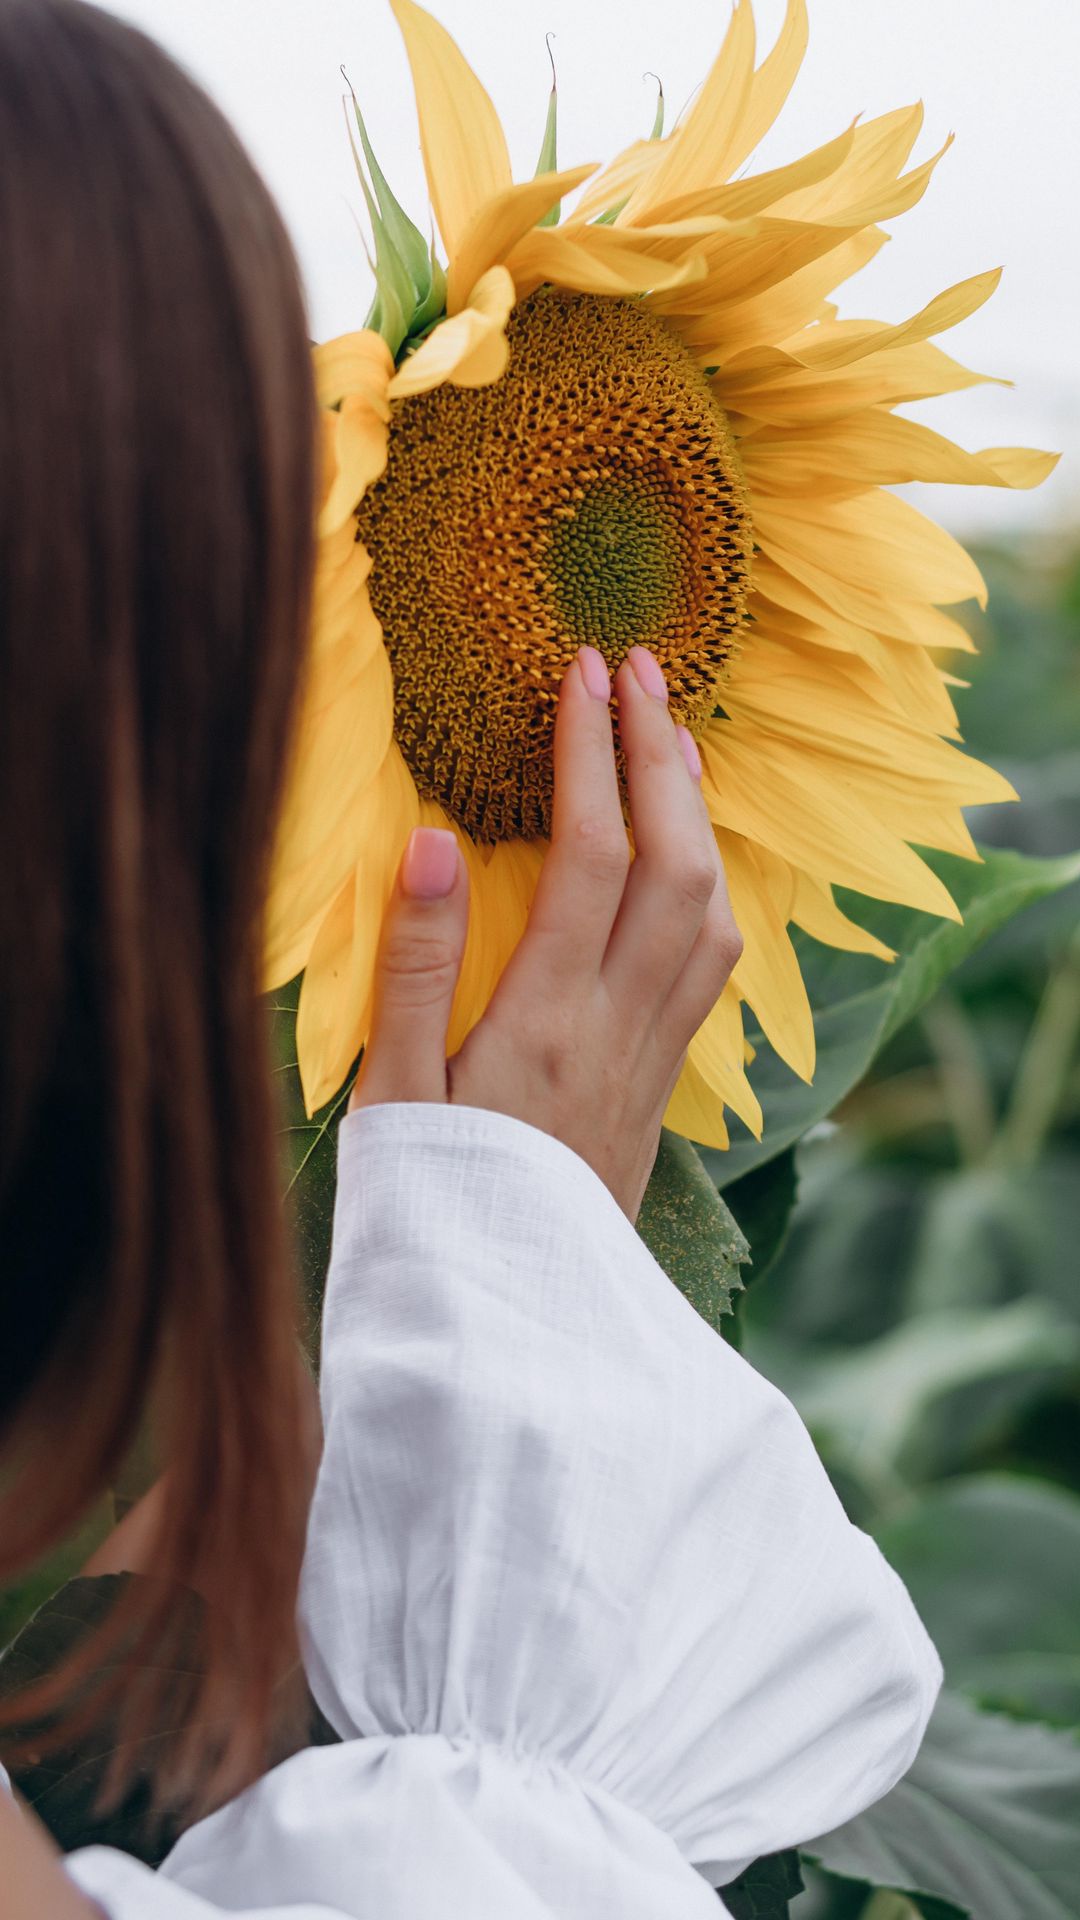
616	563
591	496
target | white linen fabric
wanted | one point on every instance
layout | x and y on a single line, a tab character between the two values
578	1595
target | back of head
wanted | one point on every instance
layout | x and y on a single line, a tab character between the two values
156	504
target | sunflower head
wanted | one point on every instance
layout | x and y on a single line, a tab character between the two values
636	419
591	495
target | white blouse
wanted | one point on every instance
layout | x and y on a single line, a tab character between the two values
578	1595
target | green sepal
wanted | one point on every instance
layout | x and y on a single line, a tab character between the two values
395	295
434	306
548	161
658	118
410	284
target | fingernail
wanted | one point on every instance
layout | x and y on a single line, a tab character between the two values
649	672
430	866
688	749
595	674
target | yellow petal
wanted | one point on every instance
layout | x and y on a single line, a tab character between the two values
386	819
696	154
618	178
353	363
502	883
783	309
340	752
604	260
803	395
889	200
695	1111
465	156
770	85
918	685
341	609
878	448
816	912
1019	466
354	456
925	820
786	799
812	702
741	266
878	151
468	351
780	605
850	340
500	223
858	554
767	974
716	1053
902	678
805	695
740	199
336	1000
820	606
328	1035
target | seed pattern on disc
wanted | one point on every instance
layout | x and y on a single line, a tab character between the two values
591	495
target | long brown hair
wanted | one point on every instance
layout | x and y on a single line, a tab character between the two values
157	477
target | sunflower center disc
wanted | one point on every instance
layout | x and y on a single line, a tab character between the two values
592	495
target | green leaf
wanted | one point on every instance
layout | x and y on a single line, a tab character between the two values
762	1202
689	1230
859	1004
23	1598
1029	1686
919	1400
986	1819
64	1785
765	1889
988	1233
993	1564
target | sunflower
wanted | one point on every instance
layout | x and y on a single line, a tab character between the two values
640	423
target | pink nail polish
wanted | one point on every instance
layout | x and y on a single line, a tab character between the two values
649	673
595	674
688	749
430	866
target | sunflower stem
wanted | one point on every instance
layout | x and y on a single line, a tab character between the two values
1045	1068
965	1088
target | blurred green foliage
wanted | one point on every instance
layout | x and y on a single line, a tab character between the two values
924	1314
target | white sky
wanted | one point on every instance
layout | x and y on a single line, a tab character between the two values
1004	75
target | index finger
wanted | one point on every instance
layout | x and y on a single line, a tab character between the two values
583	876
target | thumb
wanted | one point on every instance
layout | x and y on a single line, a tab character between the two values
423	940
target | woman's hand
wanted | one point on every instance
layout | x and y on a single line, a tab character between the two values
619	964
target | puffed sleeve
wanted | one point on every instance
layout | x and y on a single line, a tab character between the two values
578	1596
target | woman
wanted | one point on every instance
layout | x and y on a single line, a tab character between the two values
577	1596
